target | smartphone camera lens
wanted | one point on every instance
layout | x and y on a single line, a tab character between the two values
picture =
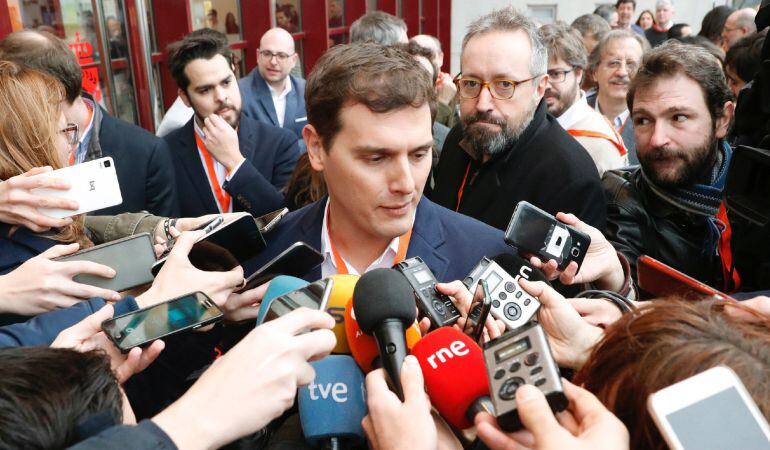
575	252
107	163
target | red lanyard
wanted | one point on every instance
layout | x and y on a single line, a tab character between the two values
342	268
462	187
74	148
223	197
618	143
725	253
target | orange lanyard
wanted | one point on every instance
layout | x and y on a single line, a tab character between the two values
623	125
74	148
595	134
342	268
462	187
725	252
223	197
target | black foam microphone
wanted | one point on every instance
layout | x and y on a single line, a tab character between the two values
383	305
519	267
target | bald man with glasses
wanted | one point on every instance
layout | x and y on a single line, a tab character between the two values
271	94
507	147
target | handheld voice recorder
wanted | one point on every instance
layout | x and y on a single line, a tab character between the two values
510	303
518	358
432	304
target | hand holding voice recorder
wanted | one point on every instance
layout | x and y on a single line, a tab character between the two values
432	304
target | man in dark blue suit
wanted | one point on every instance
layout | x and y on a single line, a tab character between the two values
142	161
369	132
219	169
270	93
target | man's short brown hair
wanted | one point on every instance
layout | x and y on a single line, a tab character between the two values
692	61
382	78
565	43
45	52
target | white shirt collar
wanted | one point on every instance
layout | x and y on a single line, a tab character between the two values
329	266
84	133
617	121
277	95
574	113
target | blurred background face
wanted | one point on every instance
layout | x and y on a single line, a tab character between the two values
625	14
620	61
646	21
276	65
663	14
614	20
733	80
563	86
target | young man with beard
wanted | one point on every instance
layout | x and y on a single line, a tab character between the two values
671	207
613	64
224	160
567	102
506	148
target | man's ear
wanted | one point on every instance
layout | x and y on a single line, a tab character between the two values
722	124
183	95
579	75
541	86
314	147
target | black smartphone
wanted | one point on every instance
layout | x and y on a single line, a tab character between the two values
270	220
164	319
314	295
532	230
478	312
225	247
207	228
295	261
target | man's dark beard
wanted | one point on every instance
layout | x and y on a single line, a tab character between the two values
563	107
695	170
482	140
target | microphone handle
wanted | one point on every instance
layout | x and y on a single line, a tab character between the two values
391	343
333	444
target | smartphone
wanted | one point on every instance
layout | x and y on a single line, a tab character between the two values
478	312
224	248
661	280
164	319
295	261
131	257
207	228
314	295
270	220
532	230
93	184
711	410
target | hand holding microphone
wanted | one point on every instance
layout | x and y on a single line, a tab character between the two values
393	424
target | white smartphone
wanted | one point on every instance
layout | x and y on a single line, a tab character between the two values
93	184
711	410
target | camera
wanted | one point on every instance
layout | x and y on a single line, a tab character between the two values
509	301
107	163
432	304
518	358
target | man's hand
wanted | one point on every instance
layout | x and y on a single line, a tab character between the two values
760	305
179	277
19	206
597	312
252	384
462	298
601	264
87	335
244	306
445	88
222	141
41	285
585	425
393	425
571	337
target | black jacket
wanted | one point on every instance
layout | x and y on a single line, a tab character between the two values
545	167
641	223
271	154
142	163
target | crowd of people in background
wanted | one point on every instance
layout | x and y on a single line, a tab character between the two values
623	124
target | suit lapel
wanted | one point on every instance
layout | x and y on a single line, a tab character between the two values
310	231
191	161
265	99
291	109
428	239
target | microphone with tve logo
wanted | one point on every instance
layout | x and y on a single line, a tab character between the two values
455	376
332	407
383	301
278	286
342	294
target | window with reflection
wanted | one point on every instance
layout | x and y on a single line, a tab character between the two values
221	15
288	15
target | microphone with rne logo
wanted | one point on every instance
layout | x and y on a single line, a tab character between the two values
364	347
455	375
341	295
332	407
383	301
278	286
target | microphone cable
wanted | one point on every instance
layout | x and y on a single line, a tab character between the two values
622	303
